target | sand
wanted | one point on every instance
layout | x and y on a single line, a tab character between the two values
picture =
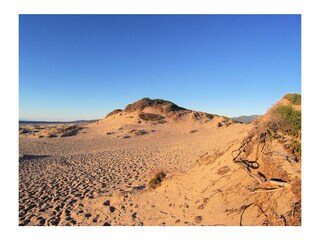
100	176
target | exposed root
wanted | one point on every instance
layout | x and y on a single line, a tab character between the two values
284	220
247	164
249	205
279	183
241	149
254	176
259	190
250	165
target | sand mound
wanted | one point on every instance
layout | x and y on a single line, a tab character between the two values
161	110
160	104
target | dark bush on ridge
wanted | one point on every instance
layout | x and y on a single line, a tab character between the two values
287	120
114	112
294	98
158	103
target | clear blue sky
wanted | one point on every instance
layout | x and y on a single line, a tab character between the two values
83	66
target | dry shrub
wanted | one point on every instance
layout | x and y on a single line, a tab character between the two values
140	132
157	179
62	131
150	117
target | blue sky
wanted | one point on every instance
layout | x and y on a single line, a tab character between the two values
75	67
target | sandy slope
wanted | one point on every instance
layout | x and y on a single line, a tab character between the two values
100	176
57	174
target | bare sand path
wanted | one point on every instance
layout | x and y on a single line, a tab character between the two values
69	181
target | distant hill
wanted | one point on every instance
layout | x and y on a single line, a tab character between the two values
56	122
160	111
246	119
160	108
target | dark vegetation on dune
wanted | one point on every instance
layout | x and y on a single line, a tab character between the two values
285	124
287	120
163	105
166	109
199	115
160	104
150	117
114	112
294	98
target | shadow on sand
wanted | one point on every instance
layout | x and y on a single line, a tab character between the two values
32	157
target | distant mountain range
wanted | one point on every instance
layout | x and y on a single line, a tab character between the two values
56	122
246	119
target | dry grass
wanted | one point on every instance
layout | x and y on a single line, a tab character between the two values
61	131
50	131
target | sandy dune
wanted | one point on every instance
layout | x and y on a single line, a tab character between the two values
100	175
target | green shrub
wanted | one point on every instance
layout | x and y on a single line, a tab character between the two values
287	120
294	98
156	180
